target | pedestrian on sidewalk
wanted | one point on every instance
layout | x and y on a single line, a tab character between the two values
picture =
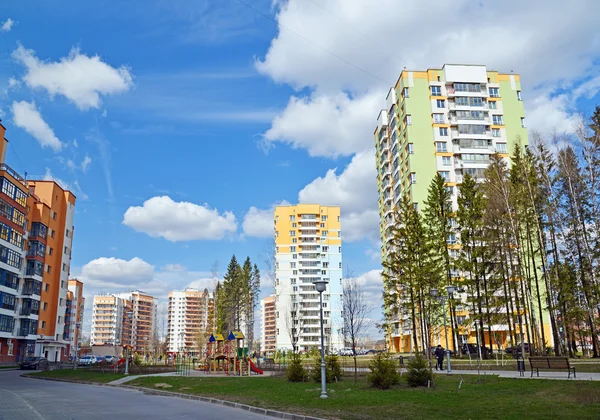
439	355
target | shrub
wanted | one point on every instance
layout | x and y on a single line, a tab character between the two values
295	371
333	369
383	372
418	372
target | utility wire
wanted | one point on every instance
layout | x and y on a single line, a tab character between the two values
311	42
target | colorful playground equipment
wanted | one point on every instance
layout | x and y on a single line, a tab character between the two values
229	356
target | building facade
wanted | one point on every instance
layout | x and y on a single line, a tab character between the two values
446	121
268	328
36	234
125	319
308	248
190	314
74	314
108	319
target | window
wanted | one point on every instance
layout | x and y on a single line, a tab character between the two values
451	238
48	269
441	146
292	218
436	91
413	178
53	214
471	129
323	218
292	249
439	79
294	225
445	175
446	160
64	267
408	120
523	122
405	93
294	256
292	233
52	233
441	103
495	132
450	191
8	188
411	148
294	240
68	233
45	306
438	118
519	95
492	105
501	147
292	265
46	287
494	92
443	131
21	197
497	120
18	217
324	233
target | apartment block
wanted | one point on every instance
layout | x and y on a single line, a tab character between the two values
36	234
268	328
308	248
74	314
446	121
190	316
124	319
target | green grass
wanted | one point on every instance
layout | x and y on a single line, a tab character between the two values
493	399
79	375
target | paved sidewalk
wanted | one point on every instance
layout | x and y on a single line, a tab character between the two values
581	376
193	373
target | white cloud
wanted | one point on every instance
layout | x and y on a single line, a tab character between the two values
179	221
79	78
13	83
326	125
258	223
7	25
114	271
87	161
26	116
346	34
355	191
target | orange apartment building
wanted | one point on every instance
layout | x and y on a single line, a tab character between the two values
190	314
36	236
124	319
268	328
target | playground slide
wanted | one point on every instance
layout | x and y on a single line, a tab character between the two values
254	369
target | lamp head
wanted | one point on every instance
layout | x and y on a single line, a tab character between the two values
434	292
320	285
450	290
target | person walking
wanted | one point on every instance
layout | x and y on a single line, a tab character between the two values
439	354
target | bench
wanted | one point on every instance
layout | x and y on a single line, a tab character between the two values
555	363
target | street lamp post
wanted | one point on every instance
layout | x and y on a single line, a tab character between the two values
321	285
130	317
442	299
76	343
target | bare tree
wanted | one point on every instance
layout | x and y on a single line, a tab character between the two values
355	313
292	320
268	255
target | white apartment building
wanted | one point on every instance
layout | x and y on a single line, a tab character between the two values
308	248
190	314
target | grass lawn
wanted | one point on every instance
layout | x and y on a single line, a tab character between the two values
493	399
79	375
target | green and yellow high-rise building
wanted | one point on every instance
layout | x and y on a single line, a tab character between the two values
447	121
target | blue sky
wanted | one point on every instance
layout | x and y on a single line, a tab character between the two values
179	124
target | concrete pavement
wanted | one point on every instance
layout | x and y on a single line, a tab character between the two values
510	374
27	399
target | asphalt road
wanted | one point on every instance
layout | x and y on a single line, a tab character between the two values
35	399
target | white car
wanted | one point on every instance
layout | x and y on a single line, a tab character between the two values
87	360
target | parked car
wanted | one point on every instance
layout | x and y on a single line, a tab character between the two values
110	359
516	351
87	360
37	363
471	349
432	349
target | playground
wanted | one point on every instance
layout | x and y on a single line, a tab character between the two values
228	356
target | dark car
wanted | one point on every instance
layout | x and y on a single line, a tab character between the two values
471	349
37	363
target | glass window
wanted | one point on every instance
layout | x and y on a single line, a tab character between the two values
18	217
441	146
4	232
446	160
445	175
492	105
441	103
494	92
436	91
8	188
408	120
495	132
21	197
523	122
443	131
6	209
411	148
438	118
413	178
497	119
501	147
519	95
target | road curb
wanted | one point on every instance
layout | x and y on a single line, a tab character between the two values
148	391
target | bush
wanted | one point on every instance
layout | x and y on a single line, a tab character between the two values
333	369
418	373
295	371
383	372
